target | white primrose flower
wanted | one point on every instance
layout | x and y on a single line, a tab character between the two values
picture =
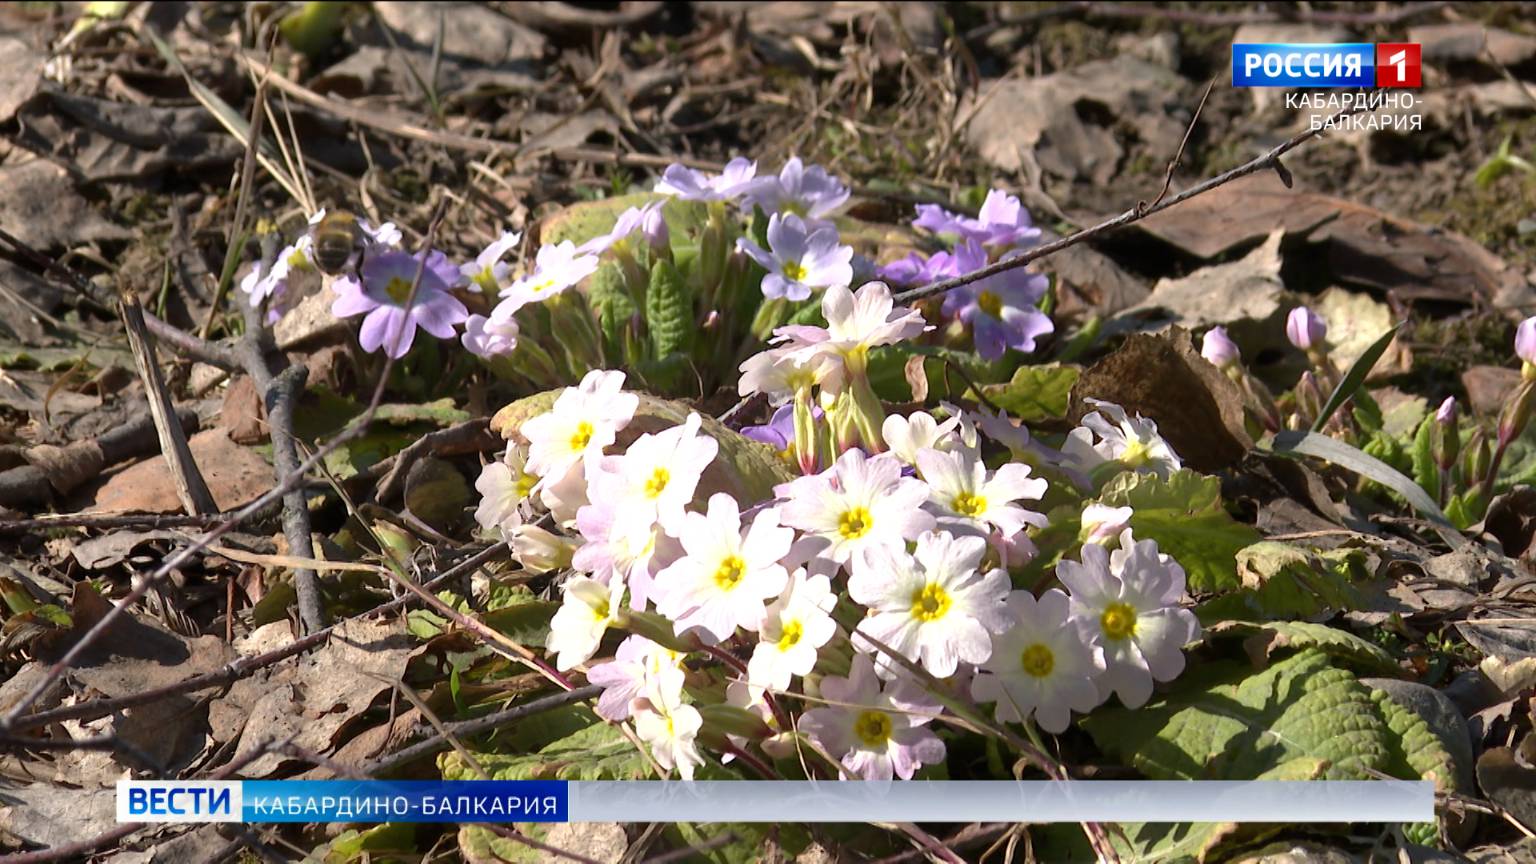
488	273
1127	601
1132	441
780	373
655	478
628	223
503	486
584	419
669	727
538	550
855	324
586	610
724	578
933	607
612	552
877	734
1040	665
964	491
906	436
489	336
556	268
859	503
800	259
797	624
639	665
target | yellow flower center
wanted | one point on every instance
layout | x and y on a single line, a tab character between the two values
990	303
967	504
398	289
297	260
873	728
600	611
542	285
1135	455
525	484
793	630
794	271
658	483
730	572
582	436
1038	660
930	602
1118	621
855	523
486	280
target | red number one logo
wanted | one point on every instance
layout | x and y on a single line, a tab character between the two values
1397	64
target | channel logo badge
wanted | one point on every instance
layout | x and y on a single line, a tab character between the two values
1330	64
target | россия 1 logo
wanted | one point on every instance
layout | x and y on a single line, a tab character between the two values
1332	64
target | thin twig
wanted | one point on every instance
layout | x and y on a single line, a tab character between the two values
1267	161
244	666
1173	164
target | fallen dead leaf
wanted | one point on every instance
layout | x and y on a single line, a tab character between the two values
1204	426
42	209
1249	289
236	475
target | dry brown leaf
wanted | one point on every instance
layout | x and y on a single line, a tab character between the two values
1204	425
236	475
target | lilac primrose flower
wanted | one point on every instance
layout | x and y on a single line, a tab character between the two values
490	337
382	294
1305	328
1003	221
630	221
800	258
917	270
1000	308
487	273
779	431
693	185
810	193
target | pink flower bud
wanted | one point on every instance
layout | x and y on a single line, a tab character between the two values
1305	328
1525	340
1446	414
654	228
1219	349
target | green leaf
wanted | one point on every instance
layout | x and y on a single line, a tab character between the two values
1269	636
598	752
612	303
1345	456
1223	721
526	623
1281	580
1184	514
1035	393
669	311
366	846
1355	377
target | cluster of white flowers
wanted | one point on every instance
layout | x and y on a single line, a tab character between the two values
833	599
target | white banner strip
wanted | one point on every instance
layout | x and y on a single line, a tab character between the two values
962	801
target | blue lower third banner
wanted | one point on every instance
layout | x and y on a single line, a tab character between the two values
960	801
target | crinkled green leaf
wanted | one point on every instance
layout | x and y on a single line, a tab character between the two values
1184	514
366	846
744	468
1264	638
1035	393
478	845
611	301
598	752
669	311
1282	580
1223	721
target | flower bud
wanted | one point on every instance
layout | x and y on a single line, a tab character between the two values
1102	524
1517	413
1219	349
734	721
1305	328
1525	348
1309	395
1447	435
653	226
539	550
